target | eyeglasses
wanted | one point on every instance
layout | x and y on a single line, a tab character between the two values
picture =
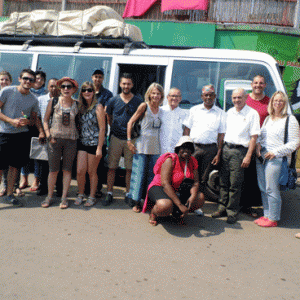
67	86
28	79
90	90
174	96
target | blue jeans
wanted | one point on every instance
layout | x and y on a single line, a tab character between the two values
26	169
142	175
268	178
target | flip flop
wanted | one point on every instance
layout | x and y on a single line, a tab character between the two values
33	189
23	186
64	204
152	220
19	192
137	208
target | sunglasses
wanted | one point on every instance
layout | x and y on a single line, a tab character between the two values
67	86
90	90
28	79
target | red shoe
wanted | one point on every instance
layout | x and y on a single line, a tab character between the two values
268	223
259	220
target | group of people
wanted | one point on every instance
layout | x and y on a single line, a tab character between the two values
168	152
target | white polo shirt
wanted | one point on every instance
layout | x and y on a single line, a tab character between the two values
205	124
171	128
241	126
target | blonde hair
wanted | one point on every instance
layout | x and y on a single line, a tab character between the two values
83	105
152	86
286	100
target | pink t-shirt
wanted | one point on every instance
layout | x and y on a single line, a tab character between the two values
260	106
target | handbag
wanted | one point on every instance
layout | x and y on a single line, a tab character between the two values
136	128
288	174
37	150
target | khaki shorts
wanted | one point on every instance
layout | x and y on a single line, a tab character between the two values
115	150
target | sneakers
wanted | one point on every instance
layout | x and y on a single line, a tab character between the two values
267	223
259	220
108	200
199	212
14	201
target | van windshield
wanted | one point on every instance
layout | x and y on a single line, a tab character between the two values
191	76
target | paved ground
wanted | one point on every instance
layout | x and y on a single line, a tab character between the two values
113	253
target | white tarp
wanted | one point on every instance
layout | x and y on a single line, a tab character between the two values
95	21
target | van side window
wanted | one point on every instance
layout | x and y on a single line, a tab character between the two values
78	67
14	63
191	76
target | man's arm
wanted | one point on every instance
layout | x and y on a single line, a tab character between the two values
216	159
38	123
251	148
186	131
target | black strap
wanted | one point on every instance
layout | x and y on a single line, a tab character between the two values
286	131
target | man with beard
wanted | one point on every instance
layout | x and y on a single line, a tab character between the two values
19	108
119	110
206	125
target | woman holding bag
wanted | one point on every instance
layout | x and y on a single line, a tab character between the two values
270	151
147	148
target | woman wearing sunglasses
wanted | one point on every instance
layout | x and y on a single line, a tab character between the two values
92	121
62	137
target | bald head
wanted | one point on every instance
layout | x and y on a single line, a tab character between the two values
239	97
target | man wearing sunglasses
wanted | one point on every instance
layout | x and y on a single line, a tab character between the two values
19	108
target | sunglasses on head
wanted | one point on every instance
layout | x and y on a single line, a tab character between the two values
66	86
90	90
28	79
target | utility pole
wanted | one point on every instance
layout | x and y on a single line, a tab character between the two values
64	5
297	13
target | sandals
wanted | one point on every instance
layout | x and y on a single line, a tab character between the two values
19	192
47	202
90	201
137	208
152	220
79	199
23	186
64	203
3	192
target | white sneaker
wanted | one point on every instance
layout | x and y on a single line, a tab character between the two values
199	212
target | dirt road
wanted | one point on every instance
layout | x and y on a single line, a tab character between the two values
113	253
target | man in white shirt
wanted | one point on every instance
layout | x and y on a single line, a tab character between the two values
172	126
240	139
206	125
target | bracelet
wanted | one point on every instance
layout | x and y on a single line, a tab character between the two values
128	140
49	138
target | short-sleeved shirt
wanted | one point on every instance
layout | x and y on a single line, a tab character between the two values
43	103
205	124
121	113
14	105
241	126
260	106
103	96
172	127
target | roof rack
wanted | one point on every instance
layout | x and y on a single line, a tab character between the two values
76	41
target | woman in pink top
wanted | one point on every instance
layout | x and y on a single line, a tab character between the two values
175	187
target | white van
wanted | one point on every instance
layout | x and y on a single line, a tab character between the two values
187	69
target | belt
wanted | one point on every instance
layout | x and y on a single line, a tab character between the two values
205	145
234	146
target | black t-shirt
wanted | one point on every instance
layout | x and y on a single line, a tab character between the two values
121	113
